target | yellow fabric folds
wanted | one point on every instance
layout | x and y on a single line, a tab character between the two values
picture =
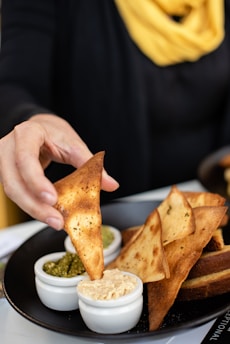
165	41
10	213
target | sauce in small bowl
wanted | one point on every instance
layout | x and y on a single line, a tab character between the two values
56	292
113	304
112	240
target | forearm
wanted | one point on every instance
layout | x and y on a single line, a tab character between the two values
16	106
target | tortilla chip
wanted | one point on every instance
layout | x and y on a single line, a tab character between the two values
198	199
144	253
181	255
128	233
195	199
216	242
79	203
176	216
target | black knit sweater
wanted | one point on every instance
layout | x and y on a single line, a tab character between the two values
76	59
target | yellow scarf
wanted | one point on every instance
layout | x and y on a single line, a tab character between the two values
165	41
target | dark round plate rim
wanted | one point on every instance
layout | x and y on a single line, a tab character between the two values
161	333
211	174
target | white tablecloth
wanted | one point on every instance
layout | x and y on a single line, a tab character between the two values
16	329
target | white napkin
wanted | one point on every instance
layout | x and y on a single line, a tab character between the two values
9	242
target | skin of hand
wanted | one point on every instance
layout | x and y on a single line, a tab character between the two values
27	151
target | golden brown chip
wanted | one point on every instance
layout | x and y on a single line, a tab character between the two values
198	199
216	242
144	254
194	199
176	216
79	203
128	233
181	255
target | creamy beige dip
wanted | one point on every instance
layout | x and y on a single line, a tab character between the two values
112	285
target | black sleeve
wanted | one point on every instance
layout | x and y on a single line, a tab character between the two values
27	47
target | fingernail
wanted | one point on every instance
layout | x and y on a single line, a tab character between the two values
114	181
48	198
110	179
54	222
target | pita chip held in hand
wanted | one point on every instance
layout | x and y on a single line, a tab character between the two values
79	203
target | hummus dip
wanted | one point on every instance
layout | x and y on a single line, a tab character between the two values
112	285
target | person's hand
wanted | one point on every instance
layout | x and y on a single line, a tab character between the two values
27	151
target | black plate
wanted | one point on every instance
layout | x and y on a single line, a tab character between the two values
211	174
20	289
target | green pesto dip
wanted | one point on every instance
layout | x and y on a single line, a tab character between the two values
107	236
69	265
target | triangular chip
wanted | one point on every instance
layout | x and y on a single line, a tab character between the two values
181	255
216	243
144	254
79	203
198	199
136	232
128	233
176	216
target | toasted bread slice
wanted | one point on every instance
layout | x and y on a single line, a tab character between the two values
202	287
79	203
211	262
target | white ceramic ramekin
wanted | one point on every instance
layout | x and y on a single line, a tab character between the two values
110	252
115	315
58	293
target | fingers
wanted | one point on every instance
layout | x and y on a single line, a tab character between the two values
29	148
18	190
79	157
68	147
29	138
108	183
